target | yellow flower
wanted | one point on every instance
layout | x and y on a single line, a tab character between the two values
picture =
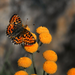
24	62
41	29
71	71
50	67
33	74
45	38
50	55
31	49
21	73
34	35
28	28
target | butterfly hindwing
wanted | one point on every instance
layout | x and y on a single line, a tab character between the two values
28	38
24	37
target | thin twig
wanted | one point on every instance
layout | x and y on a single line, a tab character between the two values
39	47
47	74
43	72
34	65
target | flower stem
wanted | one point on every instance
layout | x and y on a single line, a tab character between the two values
38	41
39	47
24	69
22	46
34	65
47	74
41	44
9	64
43	72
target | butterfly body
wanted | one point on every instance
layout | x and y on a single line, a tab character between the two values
18	33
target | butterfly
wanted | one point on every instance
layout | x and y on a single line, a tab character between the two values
18	33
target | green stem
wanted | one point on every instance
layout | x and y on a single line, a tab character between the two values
38	41
25	69
34	65
2	69
41	44
7	61
39	47
43	72
47	74
9	64
22	46
8	54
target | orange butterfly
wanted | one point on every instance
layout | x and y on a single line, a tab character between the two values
18	33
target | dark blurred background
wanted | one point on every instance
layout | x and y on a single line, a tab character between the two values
57	15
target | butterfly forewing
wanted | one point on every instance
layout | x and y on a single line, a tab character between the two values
15	19
14	24
24	37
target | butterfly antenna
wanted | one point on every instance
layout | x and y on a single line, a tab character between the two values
26	21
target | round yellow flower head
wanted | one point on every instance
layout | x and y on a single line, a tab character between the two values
45	38
41	29
50	55
34	35
31	49
50	67
21	73
33	74
71	71
27	28
24	62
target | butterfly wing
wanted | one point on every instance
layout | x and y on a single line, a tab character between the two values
24	36
15	19
14	24
28	38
